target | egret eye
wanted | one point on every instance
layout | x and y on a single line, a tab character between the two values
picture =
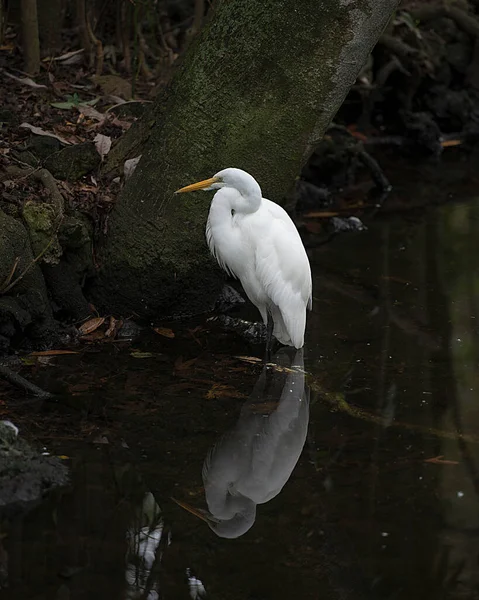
233	212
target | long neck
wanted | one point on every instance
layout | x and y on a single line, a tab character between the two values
247	201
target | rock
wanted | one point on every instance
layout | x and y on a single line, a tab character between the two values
42	222
228	298
73	162
26	304
129	331
25	475
254	333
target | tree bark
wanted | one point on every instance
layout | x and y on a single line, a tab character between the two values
30	41
255	90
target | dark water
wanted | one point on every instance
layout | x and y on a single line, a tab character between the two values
392	356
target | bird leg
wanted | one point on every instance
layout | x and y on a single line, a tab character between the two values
269	338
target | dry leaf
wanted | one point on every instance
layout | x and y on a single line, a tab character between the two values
39	131
26	81
91	113
95	336
102	144
91	325
69	58
138	354
164	331
250	359
130	166
111	327
438	460
52	352
322	214
450	143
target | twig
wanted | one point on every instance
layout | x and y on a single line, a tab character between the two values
21	382
99	50
12	272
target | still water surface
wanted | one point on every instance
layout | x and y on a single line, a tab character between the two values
319	485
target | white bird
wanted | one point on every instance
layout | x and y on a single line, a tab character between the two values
254	240
252	462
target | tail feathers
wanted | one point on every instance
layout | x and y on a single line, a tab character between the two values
289	326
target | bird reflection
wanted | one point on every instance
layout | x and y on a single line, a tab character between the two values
251	463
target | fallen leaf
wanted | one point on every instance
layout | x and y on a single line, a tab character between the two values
111	327
39	131
26	81
322	214
438	460
67	58
450	143
91	325
250	359
102	144
164	331
130	166
52	352
95	336
138	354
91	113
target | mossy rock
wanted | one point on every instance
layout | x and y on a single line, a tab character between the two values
41	220
26	305
73	162
25	474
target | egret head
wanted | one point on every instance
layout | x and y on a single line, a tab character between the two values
237	179
230	526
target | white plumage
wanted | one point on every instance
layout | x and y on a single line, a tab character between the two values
255	241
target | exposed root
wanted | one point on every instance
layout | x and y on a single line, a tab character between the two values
22	383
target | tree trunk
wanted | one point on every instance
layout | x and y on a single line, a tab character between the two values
255	90
30	41
50	28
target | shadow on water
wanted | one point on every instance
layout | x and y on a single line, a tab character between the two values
364	486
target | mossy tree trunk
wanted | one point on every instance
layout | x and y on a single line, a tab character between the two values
255	90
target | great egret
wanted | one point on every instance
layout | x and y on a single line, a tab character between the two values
252	462
254	240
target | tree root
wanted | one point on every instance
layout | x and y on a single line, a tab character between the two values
22	383
467	23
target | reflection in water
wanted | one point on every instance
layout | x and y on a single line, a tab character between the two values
458	270
144	537
252	462
147	541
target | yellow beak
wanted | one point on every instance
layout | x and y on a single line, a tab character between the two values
198	512
201	185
